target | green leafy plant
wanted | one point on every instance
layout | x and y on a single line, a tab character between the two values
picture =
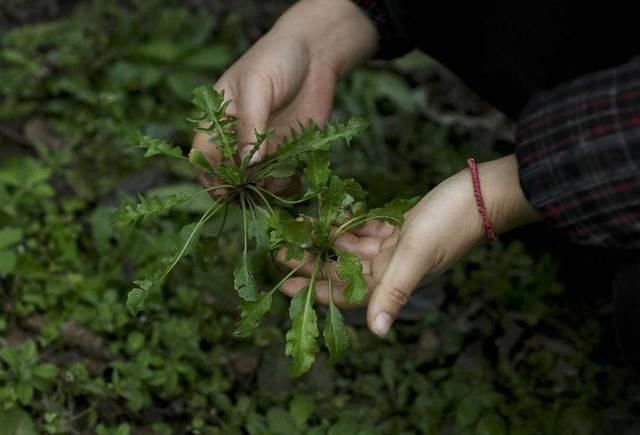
267	220
501	342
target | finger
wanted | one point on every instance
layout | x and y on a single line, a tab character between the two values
363	247
408	265
254	107
307	264
292	286
374	228
283	186
201	142
314	101
322	295
330	268
210	181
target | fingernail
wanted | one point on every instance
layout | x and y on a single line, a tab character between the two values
243	152
382	324
255	158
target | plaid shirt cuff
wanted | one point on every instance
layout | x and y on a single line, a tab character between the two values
578	149
391	43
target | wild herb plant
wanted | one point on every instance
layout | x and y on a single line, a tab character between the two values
269	222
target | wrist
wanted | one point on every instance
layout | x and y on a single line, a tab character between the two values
336	32
507	206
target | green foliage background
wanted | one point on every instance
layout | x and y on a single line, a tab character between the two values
494	348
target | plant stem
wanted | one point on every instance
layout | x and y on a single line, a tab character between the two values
281	199
253	207
244	164
264	199
330	282
221	133
312	282
245	225
216	187
287	276
224	221
205	217
354	222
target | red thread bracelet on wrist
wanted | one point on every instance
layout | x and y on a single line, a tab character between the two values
489	231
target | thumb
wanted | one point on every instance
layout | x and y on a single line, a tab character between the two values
406	269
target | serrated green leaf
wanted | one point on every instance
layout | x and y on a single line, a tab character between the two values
293	233
310	138
339	198
302	341
251	314
130	213
213	106
208	100
154	147
349	268
198	160
335	333
317	169
302	338
296	307
244	280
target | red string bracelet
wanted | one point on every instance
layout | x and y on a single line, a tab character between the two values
482	209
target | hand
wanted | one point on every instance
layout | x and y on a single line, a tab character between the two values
289	75
441	228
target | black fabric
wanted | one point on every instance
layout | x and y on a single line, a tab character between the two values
626	293
506	51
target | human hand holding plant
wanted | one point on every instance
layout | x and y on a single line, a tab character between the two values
289	75
270	221
436	232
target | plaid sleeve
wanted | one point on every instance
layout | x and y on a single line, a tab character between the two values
391	42
578	149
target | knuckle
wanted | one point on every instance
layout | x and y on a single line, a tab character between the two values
397	295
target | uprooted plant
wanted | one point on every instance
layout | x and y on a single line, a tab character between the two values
268	222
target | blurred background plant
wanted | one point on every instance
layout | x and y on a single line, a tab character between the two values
494	348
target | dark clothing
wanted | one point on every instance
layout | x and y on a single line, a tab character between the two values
569	73
568	62
578	149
